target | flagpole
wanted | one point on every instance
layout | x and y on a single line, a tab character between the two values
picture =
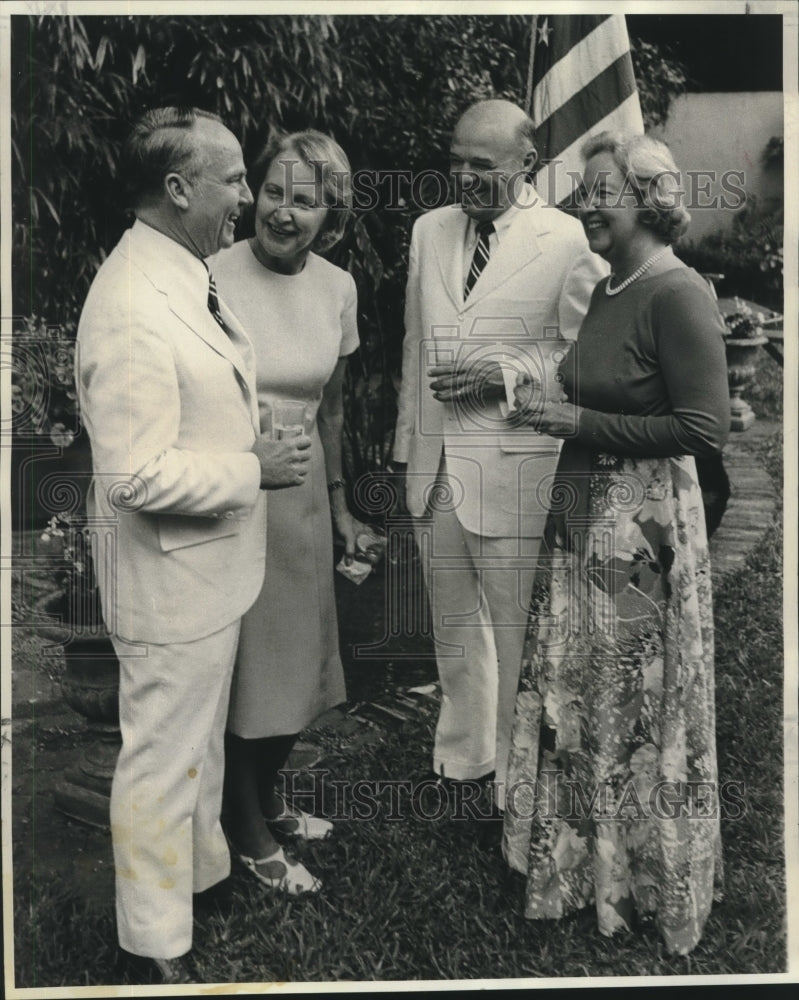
528	100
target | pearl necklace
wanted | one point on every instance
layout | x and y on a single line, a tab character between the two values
636	273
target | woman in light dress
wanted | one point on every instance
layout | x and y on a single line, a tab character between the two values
300	313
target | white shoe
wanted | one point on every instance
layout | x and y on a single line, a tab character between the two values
277	872
293	822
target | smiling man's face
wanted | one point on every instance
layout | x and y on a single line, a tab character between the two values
487	164
218	189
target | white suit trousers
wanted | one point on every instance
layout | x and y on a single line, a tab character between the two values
166	795
479	590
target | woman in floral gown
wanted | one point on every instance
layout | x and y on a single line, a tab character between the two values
612	793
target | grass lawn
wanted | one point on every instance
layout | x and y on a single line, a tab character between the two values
415	898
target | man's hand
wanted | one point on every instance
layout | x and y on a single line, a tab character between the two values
473	384
283	463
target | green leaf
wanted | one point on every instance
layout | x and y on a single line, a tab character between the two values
38	193
102	49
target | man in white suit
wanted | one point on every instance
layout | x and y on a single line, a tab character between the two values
494	291
167	392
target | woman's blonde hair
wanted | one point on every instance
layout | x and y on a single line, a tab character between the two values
650	170
333	173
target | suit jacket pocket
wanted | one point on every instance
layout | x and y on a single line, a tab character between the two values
179	532
529	442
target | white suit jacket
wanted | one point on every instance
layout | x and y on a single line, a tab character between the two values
527	303
169	403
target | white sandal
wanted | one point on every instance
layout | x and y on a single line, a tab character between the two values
291	821
289	876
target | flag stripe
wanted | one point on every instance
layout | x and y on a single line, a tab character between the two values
589	105
562	41
576	69
554	181
584	84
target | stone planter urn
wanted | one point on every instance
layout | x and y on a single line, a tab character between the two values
743	341
743	355
90	686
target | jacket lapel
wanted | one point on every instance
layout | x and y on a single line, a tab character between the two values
519	247
192	309
242	358
448	243
183	302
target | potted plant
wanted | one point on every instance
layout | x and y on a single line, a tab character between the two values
50	457
90	683
743	341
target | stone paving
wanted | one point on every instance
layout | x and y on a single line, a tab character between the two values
752	502
48	737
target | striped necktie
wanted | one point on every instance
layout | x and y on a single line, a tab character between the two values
213	304
480	258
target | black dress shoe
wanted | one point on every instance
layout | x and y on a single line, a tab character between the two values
467	799
142	971
453	784
489	830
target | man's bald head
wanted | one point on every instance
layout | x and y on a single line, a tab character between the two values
504	117
491	153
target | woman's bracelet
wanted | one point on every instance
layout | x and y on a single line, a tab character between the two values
335	484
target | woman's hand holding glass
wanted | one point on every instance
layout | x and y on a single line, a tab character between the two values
349	528
535	408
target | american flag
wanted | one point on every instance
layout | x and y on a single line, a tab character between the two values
581	83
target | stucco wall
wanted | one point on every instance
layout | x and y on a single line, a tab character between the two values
725	132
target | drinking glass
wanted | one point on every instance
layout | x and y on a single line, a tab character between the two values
288	419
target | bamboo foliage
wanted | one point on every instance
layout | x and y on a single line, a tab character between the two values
388	88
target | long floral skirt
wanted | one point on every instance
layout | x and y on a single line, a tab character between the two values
612	794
